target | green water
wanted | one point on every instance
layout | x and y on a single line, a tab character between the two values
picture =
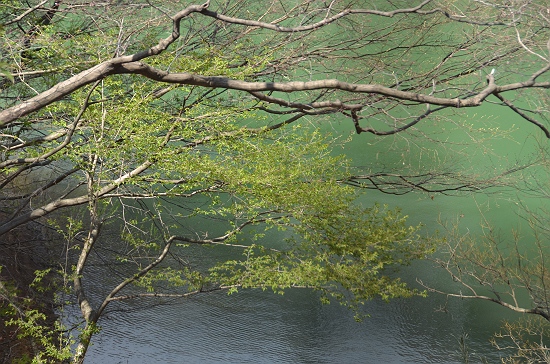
259	327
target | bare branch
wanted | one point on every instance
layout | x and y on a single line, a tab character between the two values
25	13
110	297
523	115
303	28
532	311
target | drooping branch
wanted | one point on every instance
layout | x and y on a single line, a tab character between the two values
396	184
523	115
513	307
325	21
359	129
168	295
481	268
222	239
441	182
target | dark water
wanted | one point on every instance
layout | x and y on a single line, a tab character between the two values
260	327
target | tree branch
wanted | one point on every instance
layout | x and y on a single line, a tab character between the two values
303	28
25	13
523	115
516	308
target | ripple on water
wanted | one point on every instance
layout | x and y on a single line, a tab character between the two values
260	327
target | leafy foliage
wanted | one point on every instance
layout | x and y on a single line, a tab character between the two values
352	263
54	344
45	335
158	117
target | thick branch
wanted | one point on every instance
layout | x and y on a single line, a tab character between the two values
295	86
93	74
336	104
129	65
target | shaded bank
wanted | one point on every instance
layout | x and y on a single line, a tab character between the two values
22	253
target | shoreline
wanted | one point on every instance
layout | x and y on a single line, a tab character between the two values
22	252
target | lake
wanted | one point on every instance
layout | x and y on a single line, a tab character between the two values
261	327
